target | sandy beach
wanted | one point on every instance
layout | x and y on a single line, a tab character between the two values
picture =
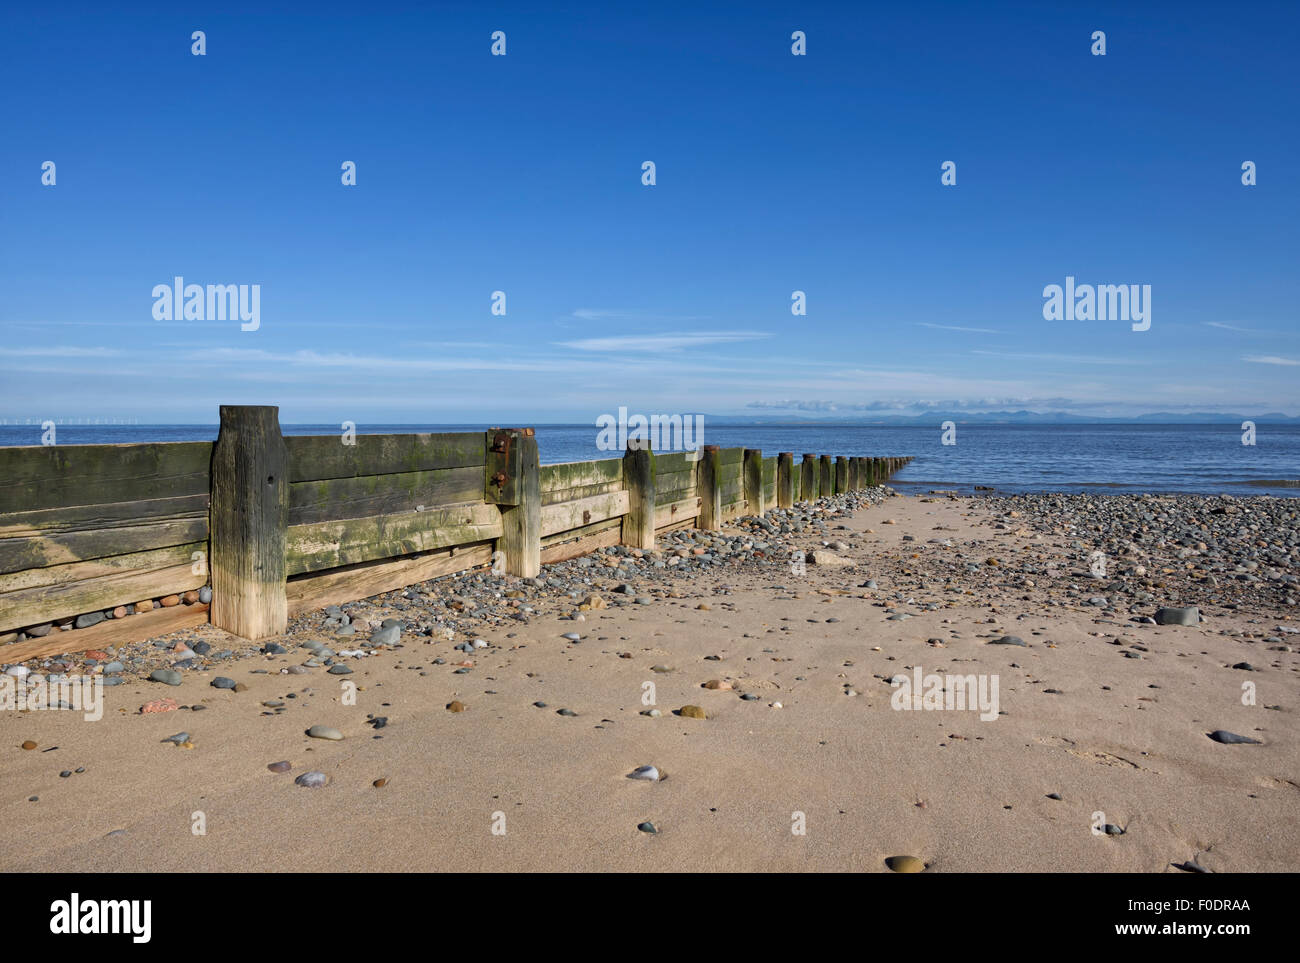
1101	720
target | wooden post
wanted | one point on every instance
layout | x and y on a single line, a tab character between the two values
784	479
752	480
708	489
825	481
513	484
808	478
841	474
639	481
247	518
852	475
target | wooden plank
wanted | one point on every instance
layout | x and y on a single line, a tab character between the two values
572	548
676	525
841	474
61	548
707	486
331	499
673	461
686	509
638	529
808	478
365	580
521	523
825	481
38	477
250	512
731	456
134	628
316	457
150	560
575	514
752	477
44	603
576	474
570	534
51	521
350	541
585	491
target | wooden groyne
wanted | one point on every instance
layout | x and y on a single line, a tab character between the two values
132	540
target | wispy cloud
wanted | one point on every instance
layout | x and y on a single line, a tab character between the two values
60	351
1061	358
1270	359
953	327
673	341
605	314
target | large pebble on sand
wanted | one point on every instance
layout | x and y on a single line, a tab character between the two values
647	773
1008	640
827	559
1187	616
166	676
325	732
692	712
386	636
1232	739
312	780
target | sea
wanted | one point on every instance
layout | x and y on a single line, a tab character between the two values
1119	458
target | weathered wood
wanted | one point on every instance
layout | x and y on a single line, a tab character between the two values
851	475
825	476
368	579
638	529
673	486
708	487
808	478
579	474
61	548
584	491
583	511
39	477
316	457
731	456
785	479
135	628
753	475
503	467
147	561
590	540
53	521
44	603
360	496
521	524
688	509
322	545
841	474
249	515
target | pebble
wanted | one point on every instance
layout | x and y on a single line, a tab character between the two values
647	827
1008	640
456	706
221	682
648	773
1232	739
692	712
1186	616
312	780
387	635
29	744
178	738
339	670
325	732
165	676
282	766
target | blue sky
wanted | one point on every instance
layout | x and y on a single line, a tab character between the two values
522	173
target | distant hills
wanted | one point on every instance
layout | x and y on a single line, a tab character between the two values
932	418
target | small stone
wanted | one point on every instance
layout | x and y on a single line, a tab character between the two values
387	635
178	738
717	684
29	744
325	732
692	712
1232	739
380	783
1008	640
169	601
647	827
165	676
339	670
282	766
456	706
221	682
647	773
905	864
312	780
1184	616
566	712
205	594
